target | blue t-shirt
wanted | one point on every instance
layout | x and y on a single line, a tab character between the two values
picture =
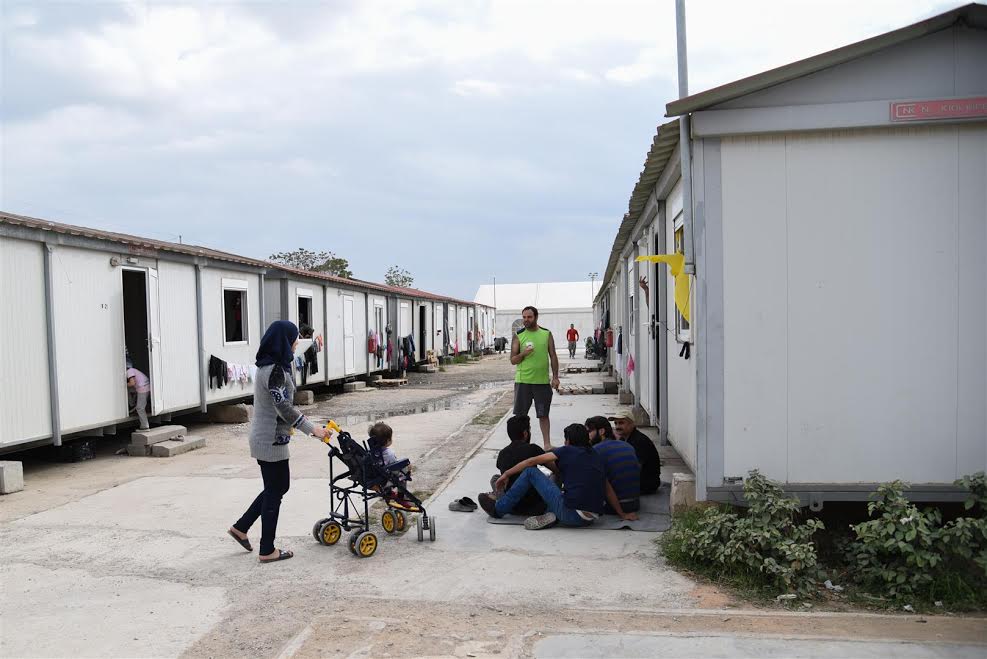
622	467
583	478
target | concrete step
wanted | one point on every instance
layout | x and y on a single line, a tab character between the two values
230	413
172	448
156	435
11	477
609	386
377	377
393	382
354	386
428	369
304	397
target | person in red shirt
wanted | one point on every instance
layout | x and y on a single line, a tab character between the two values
572	336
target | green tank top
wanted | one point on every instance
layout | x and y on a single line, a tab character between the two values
534	368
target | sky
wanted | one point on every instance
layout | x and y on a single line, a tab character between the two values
462	140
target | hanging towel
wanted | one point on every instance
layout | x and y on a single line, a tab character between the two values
217	371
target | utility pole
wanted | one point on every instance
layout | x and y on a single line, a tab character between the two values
685	142
495	306
592	287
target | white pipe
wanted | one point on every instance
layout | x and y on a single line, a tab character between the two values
685	143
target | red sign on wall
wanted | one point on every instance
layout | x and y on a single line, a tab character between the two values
954	108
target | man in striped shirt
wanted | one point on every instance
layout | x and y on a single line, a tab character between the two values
623	471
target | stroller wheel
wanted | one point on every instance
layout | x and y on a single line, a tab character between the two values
366	544
389	521
431	529
402	521
352	542
330	533
421	529
317	529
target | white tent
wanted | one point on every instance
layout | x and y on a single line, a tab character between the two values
559	304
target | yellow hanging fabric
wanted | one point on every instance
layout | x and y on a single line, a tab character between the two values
676	265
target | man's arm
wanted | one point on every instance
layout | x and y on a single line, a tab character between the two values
554	358
516	356
543	459
615	504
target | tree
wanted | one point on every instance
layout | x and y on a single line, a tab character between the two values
398	276
304	259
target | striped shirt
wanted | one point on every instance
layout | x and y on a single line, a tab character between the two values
623	470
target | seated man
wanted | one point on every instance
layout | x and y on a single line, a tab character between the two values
647	453
583	479
622	467
520	449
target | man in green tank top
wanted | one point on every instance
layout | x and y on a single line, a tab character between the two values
532	350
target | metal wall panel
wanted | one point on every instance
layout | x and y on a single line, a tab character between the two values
24	399
296	290
88	297
335	340
360	331
854	289
179	344
213	330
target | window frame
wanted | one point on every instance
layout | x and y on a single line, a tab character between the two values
305	294
242	287
683	328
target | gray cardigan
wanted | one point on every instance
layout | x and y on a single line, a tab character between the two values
275	415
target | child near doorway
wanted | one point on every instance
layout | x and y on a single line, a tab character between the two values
139	385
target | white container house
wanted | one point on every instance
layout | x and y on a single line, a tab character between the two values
839	304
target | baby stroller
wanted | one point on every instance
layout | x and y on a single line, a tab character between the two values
368	479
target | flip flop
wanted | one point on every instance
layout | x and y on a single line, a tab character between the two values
245	542
283	555
464	505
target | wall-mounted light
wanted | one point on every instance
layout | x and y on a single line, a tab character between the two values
133	260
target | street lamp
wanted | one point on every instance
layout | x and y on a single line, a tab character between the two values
592	285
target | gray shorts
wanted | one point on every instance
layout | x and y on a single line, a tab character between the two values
539	394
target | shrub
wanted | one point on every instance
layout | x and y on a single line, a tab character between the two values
764	545
907	553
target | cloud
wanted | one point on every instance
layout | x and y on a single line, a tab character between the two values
485	88
465	123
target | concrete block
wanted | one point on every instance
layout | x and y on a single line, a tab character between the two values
231	413
599	389
625	398
172	448
156	435
683	495
11	477
135	451
354	386
609	386
304	397
377	377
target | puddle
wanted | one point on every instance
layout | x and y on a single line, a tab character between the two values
349	420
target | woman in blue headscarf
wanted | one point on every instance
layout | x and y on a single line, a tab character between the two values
275	419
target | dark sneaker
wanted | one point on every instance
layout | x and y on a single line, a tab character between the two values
540	521
489	504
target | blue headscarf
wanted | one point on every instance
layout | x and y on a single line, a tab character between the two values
275	346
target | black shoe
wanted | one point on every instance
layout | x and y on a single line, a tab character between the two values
489	504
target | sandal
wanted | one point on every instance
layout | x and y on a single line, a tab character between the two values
283	555
243	542
464	505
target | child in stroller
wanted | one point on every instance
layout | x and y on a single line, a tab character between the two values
381	437
364	478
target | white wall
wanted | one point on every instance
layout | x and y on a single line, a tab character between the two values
334	334
213	329
681	372
179	341
88	297
855	297
24	401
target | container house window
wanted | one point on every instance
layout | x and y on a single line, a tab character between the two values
682	329
304	311
234	311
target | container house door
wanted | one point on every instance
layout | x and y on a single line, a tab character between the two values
349	341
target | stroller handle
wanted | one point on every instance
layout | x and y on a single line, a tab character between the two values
331	425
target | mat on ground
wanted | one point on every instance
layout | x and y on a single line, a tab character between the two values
653	516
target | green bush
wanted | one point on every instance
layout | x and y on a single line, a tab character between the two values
764	546
907	553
